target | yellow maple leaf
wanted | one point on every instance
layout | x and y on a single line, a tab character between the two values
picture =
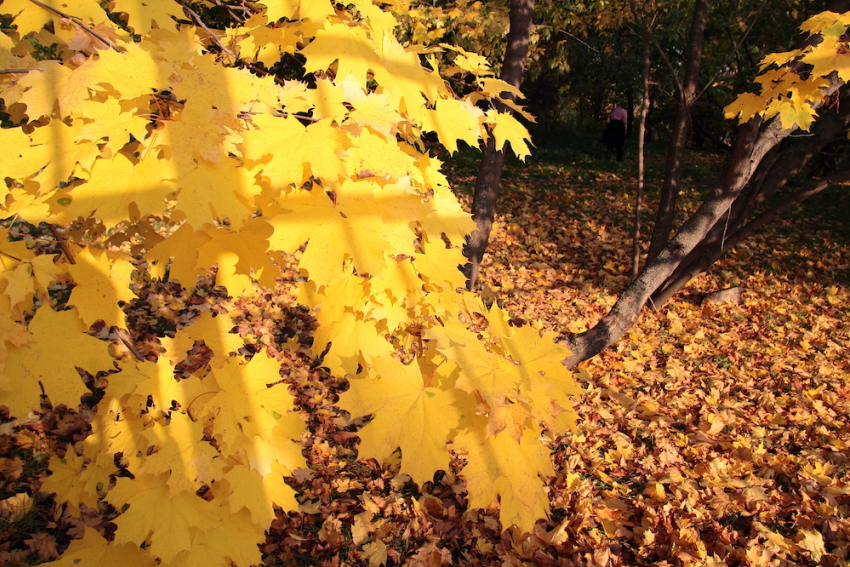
132	73
244	403
117	183
454	120
241	257
345	228
30	17
374	110
826	57
506	128
153	509
409	85
102	282
217	191
407	413
94	551
59	346
259	494
234	540
181	454
746	106
142	15
353	340
441	266
348	45
291	152
179	255
75	481
214	330
375	155
502	466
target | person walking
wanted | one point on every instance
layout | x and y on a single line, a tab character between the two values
614	136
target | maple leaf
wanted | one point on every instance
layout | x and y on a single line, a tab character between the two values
345	228
75	481
132	73
214	330
351	338
454	120
31	18
102	282
142	15
234	540
245	403
156	514
408	414
515	476
260	494
506	128
348	45
746	106
52	362
94	551
241	257
178	254
216	191
179	449
403	78
116	184
296	152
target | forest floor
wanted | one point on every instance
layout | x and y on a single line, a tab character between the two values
708	435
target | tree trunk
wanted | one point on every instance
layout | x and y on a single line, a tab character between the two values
670	190
750	148
778	169
490	170
644	110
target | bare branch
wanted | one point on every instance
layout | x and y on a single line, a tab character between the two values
77	21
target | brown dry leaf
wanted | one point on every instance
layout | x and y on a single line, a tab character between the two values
44	545
375	552
15	505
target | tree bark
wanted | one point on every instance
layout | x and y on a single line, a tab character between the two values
750	148
644	110
670	190
490	171
778	170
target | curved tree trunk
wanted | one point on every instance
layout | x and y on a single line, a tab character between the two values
778	171
750	148
670	190
492	161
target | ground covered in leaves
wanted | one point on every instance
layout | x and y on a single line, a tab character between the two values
711	434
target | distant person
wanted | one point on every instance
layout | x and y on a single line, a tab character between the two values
615	132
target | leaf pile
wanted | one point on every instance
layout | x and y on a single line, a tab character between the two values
710	435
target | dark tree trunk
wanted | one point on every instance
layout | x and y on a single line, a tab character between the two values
644	110
490	171
670	190
749	149
753	152
771	177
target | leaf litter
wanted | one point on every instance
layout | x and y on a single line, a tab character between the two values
708	435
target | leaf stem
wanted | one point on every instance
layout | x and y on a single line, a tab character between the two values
59	241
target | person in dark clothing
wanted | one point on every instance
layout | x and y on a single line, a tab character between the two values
614	136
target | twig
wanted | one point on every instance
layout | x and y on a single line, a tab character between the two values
62	244
77	21
119	332
227	7
10	71
214	36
